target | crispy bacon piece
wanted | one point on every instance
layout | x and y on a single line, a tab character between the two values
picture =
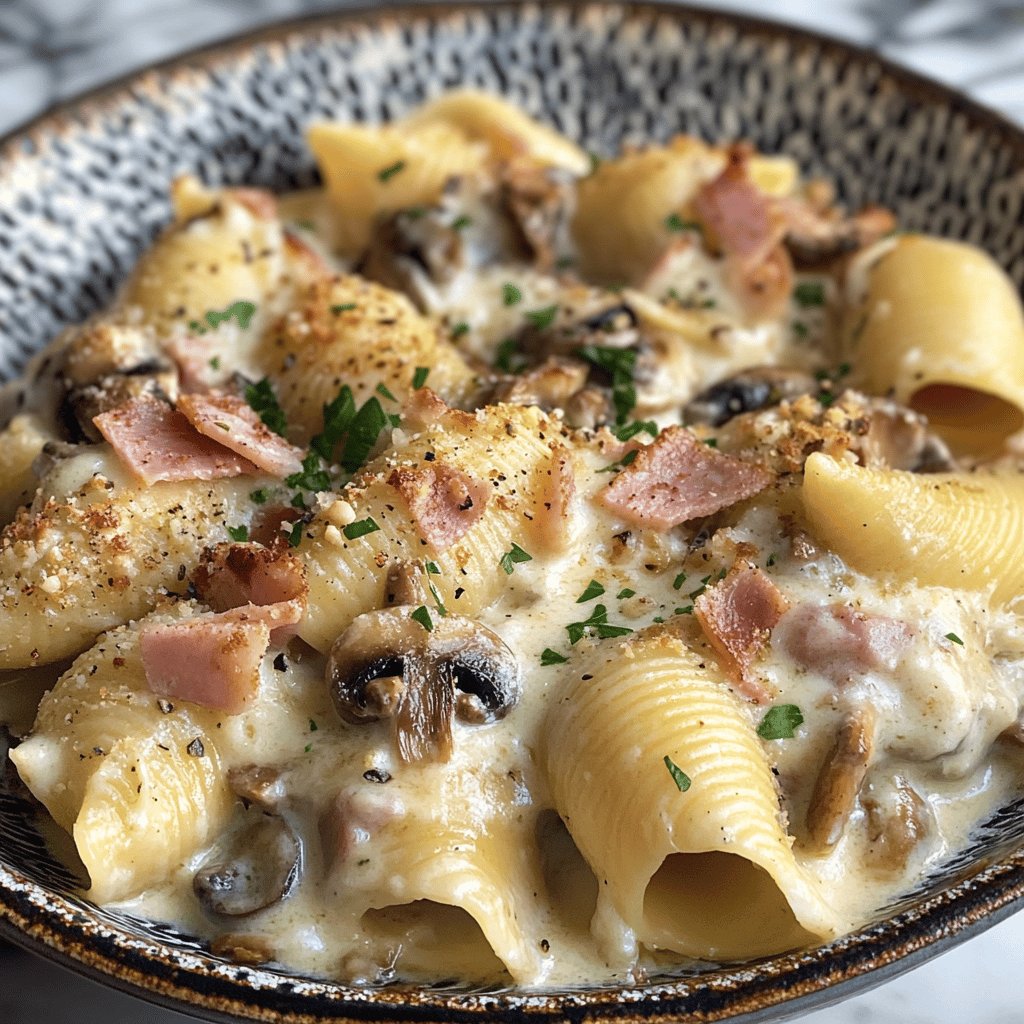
841	643
156	442
737	616
749	229
233	423
678	478
260	583
443	501
211	660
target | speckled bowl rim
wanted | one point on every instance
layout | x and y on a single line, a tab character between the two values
780	987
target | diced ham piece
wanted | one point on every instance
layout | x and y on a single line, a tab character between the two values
749	228
156	442
842	643
211	660
230	421
259	583
738	616
443	501
678	478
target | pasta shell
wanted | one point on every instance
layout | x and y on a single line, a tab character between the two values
939	529
940	326
706	872
122	775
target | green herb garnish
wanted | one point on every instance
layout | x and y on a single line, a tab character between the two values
360	528
312	476
954	638
422	616
419	377
542	318
343	307
511	558
263	401
550	657
809	293
594	589
510	294
780	722
679	777
387	173
598	622
238	533
620	363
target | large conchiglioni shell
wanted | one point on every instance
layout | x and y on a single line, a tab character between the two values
116	771
940	325
701	866
508	132
620	220
224	247
102	552
350	331
963	531
20	442
512	450
371	171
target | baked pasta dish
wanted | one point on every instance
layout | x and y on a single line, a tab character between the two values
512	566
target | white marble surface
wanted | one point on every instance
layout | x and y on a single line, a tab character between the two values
51	49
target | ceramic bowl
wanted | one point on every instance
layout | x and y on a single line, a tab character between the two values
83	190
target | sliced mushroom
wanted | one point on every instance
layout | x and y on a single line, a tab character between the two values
538	201
258	785
898	820
388	665
747	391
818	234
260	866
413	249
551	385
898	438
840	780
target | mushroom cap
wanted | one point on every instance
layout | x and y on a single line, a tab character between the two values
260	867
387	665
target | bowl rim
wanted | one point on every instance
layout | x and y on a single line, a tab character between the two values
991	891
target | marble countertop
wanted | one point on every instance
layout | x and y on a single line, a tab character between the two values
52	49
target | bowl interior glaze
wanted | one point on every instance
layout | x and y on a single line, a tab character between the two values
84	189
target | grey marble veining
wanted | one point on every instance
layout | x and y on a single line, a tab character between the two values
53	49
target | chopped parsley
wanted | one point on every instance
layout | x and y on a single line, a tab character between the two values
432	568
510	559
598	622
711	442
508	358
809	293
295	534
442	611
422	616
385	174
238	533
799	329
594	589
385	392
259	496
241	311
343	307
312	476
624	593
263	401
510	294
338	415
365	428
771	561
630	430
620	364
685	610
459	329
780	722
461	222
679	777
312	725
542	318
215	363
678	582
954	639
550	657
360	528
676	223
419	377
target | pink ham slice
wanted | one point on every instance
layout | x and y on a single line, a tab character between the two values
749	228
443	501
678	478
156	442
211	660
842	643
259	583
232	423
738	616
